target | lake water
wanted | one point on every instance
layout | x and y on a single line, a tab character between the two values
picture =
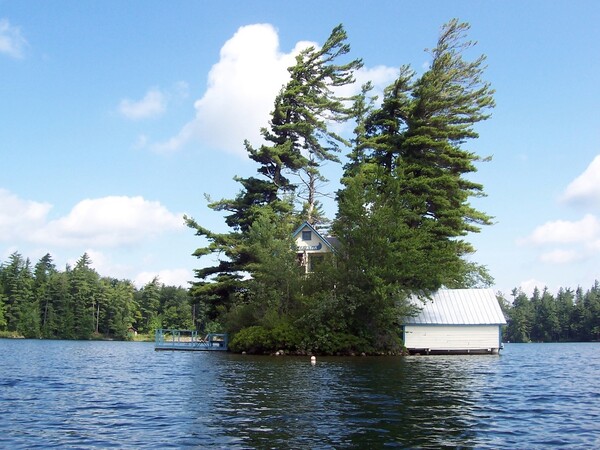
125	395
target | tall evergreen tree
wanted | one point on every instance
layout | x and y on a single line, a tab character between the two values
84	284
412	166
19	299
403	209
43	273
60	319
149	301
119	311
176	309
2	316
297	140
521	318
449	99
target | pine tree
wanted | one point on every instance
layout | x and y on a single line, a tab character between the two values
448	100
409	152
84	285
403	208
19	300
43	273
149	301
297	140
2	316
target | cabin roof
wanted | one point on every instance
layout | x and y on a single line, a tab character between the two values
327	241
458	307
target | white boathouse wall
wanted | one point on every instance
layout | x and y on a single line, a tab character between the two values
451	337
457	321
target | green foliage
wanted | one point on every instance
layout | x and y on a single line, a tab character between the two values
404	204
568	316
29	323
297	140
79	304
2	317
339	343
84	288
402	213
254	339
149	302
286	337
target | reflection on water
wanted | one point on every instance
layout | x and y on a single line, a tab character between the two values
125	395
341	402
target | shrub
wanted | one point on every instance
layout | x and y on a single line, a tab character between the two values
335	343
285	337
254	339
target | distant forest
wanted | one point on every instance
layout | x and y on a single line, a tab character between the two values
570	316
41	301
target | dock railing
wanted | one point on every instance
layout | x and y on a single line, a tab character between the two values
189	340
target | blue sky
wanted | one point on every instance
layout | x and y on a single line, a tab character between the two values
117	117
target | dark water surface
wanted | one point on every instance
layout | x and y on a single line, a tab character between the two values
65	394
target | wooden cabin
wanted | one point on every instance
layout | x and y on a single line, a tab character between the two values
456	321
311	246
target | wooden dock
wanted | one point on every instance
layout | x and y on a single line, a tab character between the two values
189	341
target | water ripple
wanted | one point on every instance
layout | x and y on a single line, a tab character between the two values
124	395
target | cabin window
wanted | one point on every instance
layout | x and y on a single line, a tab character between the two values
306	236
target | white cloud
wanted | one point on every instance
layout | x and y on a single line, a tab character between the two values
141	142
20	217
565	232
240	93
560	256
103	264
109	222
585	189
242	87
594	245
528	286
12	42
168	277
181	90
152	105
187	134
573	241
379	76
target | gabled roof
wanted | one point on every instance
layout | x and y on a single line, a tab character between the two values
314	230
459	307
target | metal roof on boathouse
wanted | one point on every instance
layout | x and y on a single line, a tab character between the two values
458	307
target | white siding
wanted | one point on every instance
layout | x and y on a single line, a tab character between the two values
456	338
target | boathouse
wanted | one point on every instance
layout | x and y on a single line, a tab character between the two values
311	246
455	321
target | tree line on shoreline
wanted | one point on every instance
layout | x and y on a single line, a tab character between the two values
40	301
568	316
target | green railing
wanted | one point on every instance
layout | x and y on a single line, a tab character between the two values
189	340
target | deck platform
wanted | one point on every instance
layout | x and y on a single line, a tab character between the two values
189	341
